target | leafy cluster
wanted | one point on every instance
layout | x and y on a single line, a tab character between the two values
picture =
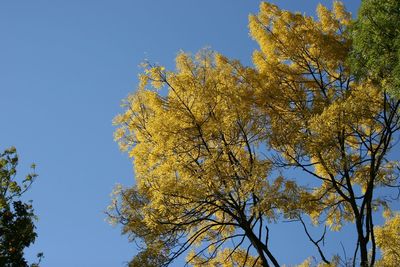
387	237
376	43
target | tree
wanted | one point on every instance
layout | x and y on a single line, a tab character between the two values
199	179
210	141
322	121
376	43
17	229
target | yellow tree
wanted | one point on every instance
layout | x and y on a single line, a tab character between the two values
200	179
202	137
320	120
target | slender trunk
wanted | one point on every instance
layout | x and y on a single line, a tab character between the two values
264	260
363	243
261	248
363	253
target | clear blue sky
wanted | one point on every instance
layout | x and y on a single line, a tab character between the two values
64	68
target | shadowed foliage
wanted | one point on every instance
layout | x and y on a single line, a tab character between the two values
17	229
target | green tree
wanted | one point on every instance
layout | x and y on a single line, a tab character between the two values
376	43
17	229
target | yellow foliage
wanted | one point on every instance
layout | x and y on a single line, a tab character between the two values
195	150
316	110
388	240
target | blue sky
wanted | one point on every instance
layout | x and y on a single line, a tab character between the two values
65	66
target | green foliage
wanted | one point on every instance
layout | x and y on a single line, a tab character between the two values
376	43
17	229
